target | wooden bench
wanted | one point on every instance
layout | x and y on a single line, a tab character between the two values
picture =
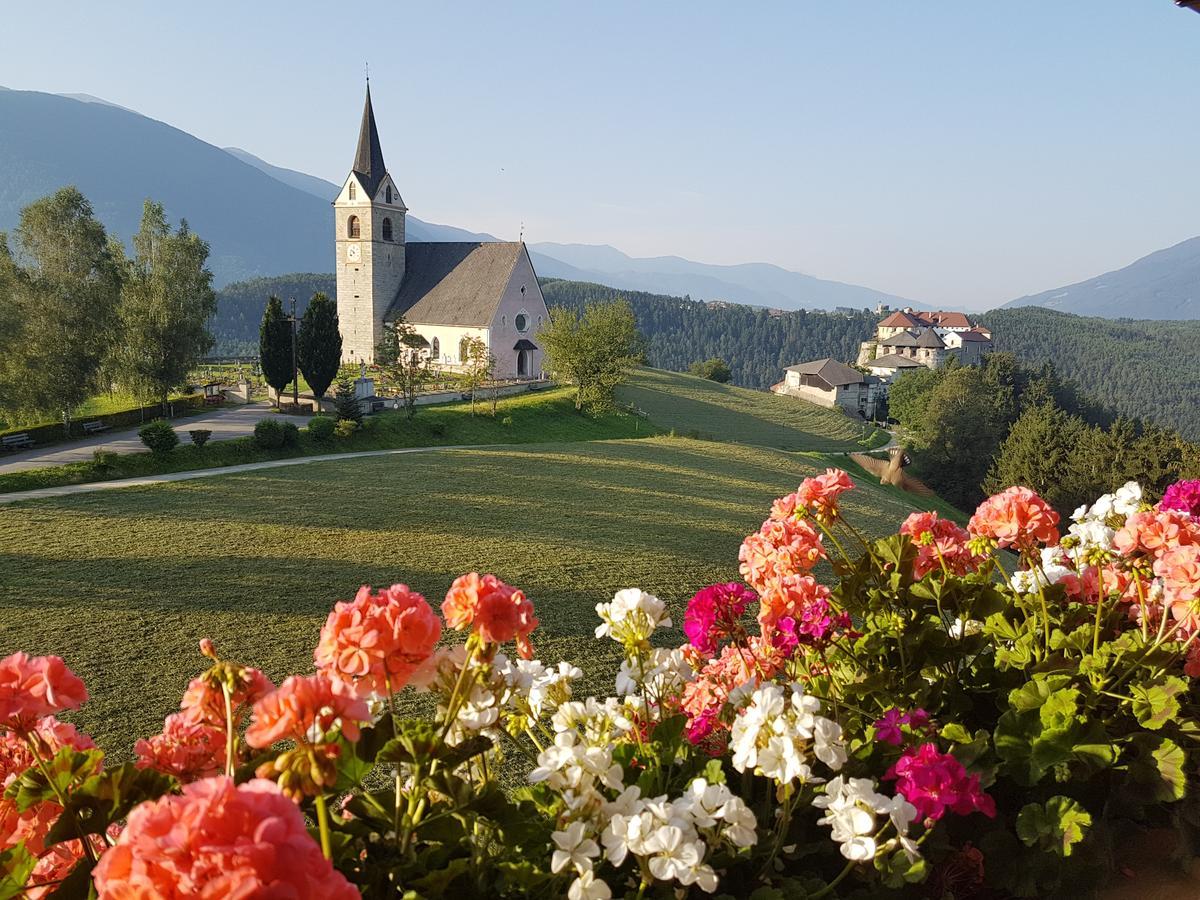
94	427
16	442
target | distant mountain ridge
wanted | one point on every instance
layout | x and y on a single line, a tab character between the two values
1162	285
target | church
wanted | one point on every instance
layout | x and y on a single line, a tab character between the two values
448	291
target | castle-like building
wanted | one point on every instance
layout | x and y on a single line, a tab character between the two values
448	291
909	338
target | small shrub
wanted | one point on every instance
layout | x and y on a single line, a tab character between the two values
103	461
268	434
159	436
348	407
321	428
345	428
506	421
291	434
200	437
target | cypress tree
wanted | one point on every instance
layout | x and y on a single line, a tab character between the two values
275	345
319	344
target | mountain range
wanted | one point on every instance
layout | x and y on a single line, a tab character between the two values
262	220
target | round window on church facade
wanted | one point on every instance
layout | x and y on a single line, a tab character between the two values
522	322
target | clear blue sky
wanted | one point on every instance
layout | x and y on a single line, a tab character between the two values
960	153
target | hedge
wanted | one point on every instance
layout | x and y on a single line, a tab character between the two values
53	431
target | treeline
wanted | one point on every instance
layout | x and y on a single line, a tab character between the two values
1142	368
974	430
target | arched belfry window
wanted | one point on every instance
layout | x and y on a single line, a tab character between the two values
352	191
352	229
389	193
387	229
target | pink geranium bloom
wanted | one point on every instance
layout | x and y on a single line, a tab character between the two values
705	696
1184	496
819	494
497	611
204	702
1155	531
376	642
939	541
934	782
185	749
887	728
32	687
781	547
1016	517
712	614
218	840
791	596
1179	569
303	706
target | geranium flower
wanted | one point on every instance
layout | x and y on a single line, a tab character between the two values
32	687
1155	531
203	701
818	495
378	640
1016	517
1179	569
799	597
779	548
304	708
497	611
939	541
712	614
185	749
219	840
887	728
933	782
1184	496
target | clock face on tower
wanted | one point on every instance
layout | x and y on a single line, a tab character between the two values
352	252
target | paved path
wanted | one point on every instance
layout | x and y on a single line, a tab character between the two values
224	424
65	489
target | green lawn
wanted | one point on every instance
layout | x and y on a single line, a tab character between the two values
701	408
123	584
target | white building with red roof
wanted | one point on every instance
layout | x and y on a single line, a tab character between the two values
926	337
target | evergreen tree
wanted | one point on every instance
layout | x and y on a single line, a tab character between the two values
166	304
346	404
319	344
275	346
1041	452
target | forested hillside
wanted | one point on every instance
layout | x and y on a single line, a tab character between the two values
240	307
1139	368
756	343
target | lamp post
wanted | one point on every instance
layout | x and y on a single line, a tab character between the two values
295	365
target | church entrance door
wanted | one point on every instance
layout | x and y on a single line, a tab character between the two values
522	363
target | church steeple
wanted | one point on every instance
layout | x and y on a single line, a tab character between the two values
368	161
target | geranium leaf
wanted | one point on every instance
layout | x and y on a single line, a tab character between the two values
105	798
1155	705
1160	765
16	864
1057	826
68	768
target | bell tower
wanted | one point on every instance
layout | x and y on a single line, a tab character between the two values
368	217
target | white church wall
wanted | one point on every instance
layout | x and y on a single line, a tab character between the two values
504	331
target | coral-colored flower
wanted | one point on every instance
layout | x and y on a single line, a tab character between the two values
939	541
1016	517
819	494
1155	531
933	782
304	708
218	840
376	642
185	749
1179	569
1182	495
712	614
49	734
32	687
781	547
705	696
790	596
498	612
204	702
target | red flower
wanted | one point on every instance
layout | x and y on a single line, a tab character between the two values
376	642
185	749
32	687
498	612
303	707
1016	517
939	540
819	494
933	782
218	841
781	547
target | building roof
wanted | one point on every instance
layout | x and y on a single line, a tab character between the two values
894	361
368	161
942	319
972	335
899	319
832	372
523	344
899	339
929	338
448	283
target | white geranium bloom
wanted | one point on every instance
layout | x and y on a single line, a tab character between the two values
575	849
1127	499
740	823
960	628
631	616
588	887
827	743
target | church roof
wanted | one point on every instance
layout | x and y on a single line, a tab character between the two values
368	161
832	372
449	283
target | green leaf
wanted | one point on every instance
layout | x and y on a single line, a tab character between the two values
68	768
1154	705
955	733
1159	765
453	757
1058	826
416	741
105	798
714	772
16	865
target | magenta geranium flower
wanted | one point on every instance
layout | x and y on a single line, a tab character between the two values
934	782
1182	495
713	613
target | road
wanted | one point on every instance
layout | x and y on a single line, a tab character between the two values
230	422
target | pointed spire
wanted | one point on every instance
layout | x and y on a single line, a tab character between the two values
368	161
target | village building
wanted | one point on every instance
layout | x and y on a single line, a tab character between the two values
448	291
927	337
829	383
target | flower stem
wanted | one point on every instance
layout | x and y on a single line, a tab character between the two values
230	738
62	800
323	826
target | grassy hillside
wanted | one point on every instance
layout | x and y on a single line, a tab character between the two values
124	583
701	408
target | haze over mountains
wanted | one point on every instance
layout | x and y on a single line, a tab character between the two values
261	219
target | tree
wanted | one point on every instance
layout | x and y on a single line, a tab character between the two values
61	294
320	344
479	366
399	355
346	404
1040	452
166	304
908	398
715	369
594	351
275	346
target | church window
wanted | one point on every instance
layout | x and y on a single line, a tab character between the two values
352	227
389	193
353	193
504	321
387	227
522	322
436	351
462	350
